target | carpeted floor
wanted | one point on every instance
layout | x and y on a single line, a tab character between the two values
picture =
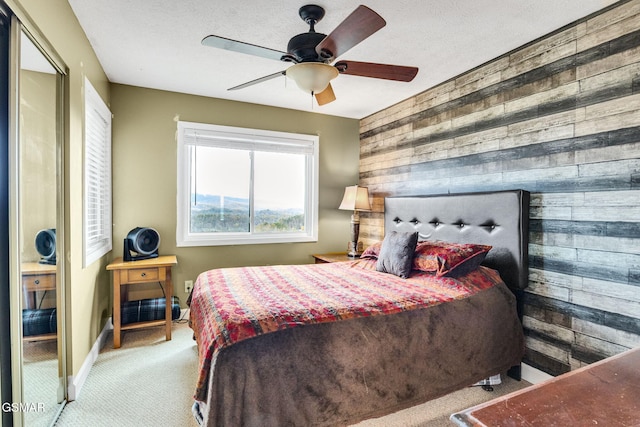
435	413
150	381
40	379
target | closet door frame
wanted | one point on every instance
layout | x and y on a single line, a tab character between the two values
21	23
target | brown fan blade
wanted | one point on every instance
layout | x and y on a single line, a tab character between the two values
377	71
326	96
356	27
260	80
242	47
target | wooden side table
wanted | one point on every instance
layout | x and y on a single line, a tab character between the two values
136	272
332	257
37	277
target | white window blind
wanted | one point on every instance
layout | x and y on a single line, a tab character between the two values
243	140
97	177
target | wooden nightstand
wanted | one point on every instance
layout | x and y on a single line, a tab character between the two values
35	278
332	257
136	272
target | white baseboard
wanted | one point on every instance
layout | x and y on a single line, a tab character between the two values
75	382
533	375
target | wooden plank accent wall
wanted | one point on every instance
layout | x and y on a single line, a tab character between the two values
559	117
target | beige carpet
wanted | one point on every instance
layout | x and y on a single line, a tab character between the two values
40	379
436	413
150	381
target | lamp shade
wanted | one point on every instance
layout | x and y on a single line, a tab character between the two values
355	199
312	77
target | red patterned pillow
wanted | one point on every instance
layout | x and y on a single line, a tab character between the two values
449	259
372	251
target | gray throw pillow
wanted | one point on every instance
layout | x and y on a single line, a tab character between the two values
396	253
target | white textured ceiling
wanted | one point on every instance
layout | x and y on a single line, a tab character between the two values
156	44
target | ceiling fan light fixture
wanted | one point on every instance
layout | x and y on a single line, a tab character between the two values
312	77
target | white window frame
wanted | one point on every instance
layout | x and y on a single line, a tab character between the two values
97	200
195	134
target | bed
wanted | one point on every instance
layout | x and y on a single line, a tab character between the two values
334	344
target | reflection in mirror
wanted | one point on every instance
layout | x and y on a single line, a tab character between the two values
38	198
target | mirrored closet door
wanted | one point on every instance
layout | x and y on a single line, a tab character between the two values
36	232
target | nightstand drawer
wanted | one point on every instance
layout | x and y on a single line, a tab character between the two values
141	275
39	282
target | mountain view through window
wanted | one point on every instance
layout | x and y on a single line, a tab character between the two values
226	208
219	214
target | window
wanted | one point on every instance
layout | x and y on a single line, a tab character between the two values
243	186
97	176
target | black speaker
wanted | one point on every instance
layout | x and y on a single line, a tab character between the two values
141	243
46	245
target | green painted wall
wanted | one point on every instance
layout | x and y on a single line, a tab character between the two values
144	175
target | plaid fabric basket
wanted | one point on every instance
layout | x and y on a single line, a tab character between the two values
39	321
148	309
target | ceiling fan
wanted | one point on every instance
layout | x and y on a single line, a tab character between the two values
312	53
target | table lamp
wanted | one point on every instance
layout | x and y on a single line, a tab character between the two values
355	199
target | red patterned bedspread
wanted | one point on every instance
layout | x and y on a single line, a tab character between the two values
233	304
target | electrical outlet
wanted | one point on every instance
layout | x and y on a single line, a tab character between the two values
188	285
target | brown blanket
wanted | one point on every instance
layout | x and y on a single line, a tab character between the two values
230	305
339	373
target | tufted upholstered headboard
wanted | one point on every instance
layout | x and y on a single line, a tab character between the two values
499	219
